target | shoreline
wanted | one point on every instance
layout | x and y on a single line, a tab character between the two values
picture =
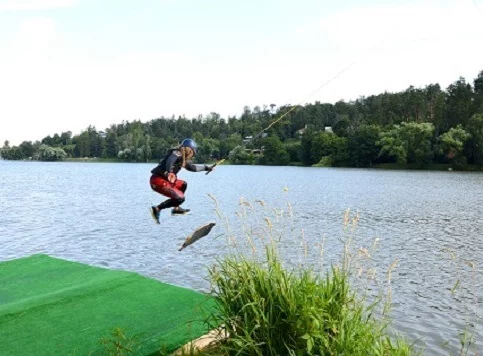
382	166
433	167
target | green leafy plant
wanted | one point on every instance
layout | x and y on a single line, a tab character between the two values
266	308
119	343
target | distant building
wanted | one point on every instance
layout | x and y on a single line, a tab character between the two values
255	152
301	132
247	139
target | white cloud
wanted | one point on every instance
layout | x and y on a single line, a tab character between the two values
393	47
36	35
389	25
51	90
34	5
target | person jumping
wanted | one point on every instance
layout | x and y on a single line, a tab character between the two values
164	179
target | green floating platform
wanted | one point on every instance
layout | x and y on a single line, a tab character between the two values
50	306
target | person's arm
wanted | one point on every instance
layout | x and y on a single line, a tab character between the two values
197	167
169	171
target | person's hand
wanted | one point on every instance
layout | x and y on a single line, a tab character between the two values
171	177
208	169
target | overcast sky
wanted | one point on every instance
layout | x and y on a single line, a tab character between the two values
68	64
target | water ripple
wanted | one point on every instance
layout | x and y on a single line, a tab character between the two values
432	222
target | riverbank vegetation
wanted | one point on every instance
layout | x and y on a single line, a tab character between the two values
269	305
416	128
270	310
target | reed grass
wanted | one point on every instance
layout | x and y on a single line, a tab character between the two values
464	292
267	308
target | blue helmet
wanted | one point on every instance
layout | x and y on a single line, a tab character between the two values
188	142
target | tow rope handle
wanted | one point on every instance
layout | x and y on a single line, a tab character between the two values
213	166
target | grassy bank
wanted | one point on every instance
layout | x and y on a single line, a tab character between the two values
386	166
267	308
93	160
429	167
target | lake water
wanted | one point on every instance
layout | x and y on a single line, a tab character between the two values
431	223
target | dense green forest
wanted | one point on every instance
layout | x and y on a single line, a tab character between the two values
413	128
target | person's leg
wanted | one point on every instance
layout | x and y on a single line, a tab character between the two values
162	186
176	196
181	185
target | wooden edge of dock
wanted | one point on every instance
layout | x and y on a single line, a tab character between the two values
203	342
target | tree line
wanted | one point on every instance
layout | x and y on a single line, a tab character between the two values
418	127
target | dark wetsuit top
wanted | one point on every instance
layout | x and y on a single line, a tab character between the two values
173	162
